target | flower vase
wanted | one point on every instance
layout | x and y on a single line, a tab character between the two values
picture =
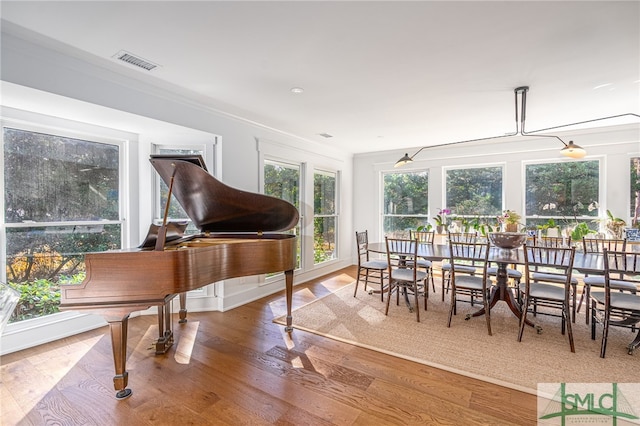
615	230
511	227
440	229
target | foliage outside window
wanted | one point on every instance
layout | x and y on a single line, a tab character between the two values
405	202
282	181
565	193
324	216
61	200
473	192
635	192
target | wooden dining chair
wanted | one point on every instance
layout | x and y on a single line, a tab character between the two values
597	246
552	241
369	270
566	243
404	277
550	289
458	237
477	285
611	307
425	237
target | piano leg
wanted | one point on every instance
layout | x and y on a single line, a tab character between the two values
183	308
288	276
165	334
118	330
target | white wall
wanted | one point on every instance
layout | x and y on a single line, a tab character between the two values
46	78
614	145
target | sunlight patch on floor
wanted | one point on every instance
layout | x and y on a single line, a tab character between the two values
297	362
286	338
301	297
183	343
371	316
146	344
188	334
344	330
16	376
64	358
337	281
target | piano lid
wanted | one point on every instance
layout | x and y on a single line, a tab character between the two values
216	207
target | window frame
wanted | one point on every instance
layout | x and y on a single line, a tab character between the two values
272	150
336	214
158	208
301	189
67	132
384	215
445	202
602	195
66	322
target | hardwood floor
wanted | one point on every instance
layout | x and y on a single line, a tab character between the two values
238	368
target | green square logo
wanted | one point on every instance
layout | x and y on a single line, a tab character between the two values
614	404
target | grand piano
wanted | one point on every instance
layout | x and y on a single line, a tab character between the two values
241	234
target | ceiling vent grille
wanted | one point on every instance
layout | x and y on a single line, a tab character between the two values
325	135
135	60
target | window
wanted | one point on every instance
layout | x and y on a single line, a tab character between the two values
282	180
634	180
324	216
61	200
405	198
474	192
176	212
565	192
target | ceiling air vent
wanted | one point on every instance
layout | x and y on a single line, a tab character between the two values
325	135
135	60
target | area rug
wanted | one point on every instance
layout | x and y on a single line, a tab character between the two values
466	348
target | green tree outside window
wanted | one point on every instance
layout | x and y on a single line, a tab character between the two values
405	202
282	180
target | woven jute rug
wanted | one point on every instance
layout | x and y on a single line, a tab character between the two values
466	348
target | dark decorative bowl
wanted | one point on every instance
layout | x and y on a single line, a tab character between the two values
507	240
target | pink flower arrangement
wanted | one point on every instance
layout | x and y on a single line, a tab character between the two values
509	217
441	217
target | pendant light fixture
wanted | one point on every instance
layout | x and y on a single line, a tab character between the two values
570	149
404	160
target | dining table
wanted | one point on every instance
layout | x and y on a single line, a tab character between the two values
588	263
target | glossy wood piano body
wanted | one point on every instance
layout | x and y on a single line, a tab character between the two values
124	281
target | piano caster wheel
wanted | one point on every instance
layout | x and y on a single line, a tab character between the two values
538	329
370	292
288	329
467	317
123	394
182	321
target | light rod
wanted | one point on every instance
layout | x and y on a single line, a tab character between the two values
569	149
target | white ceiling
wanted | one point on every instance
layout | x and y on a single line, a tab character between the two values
376	75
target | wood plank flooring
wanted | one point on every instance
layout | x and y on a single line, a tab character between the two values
239	368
